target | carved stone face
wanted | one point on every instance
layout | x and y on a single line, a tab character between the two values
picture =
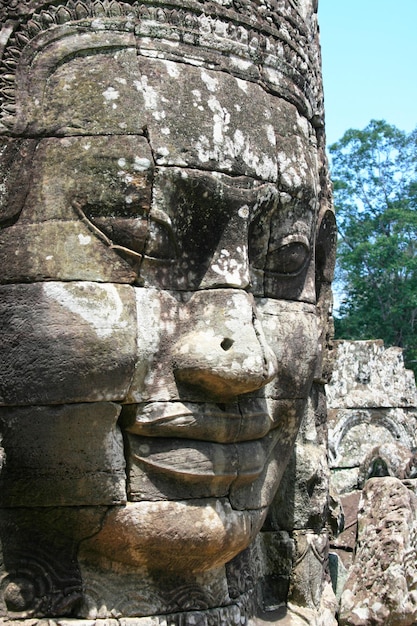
164	275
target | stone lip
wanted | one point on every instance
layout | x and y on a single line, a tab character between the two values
208	533
200	459
221	423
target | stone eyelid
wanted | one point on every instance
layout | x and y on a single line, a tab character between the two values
291	244
76	205
157	215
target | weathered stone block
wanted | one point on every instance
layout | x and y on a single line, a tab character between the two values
367	375
70	251
186	98
69	455
381	587
108	176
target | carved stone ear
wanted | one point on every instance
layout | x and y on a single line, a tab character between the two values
325	261
326	240
15	176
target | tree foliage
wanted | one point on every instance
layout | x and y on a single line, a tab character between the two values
375	190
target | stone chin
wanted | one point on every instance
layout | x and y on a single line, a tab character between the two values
187	536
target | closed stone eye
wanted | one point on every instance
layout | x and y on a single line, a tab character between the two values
290	258
140	235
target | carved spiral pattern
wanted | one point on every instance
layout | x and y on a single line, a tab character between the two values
40	585
242	572
186	597
138	594
134	599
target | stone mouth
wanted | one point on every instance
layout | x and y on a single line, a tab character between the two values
195	460
227	424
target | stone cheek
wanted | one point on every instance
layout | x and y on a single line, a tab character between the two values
66	342
71	455
69	344
296	358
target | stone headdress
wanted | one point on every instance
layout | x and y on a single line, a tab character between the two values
271	42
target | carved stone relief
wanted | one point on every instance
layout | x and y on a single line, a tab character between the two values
372	402
167	247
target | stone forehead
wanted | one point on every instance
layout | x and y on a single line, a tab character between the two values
193	116
270	43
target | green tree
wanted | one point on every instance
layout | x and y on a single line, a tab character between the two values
375	191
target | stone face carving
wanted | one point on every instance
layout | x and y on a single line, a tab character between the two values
167	246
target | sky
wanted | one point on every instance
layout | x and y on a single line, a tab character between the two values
369	50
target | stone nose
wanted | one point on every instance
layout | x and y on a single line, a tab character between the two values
222	350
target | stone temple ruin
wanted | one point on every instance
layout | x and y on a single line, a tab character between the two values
372	402
372	415
167	244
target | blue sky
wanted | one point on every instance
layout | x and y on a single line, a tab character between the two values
369	50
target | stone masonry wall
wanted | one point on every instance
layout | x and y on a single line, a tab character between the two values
372	403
